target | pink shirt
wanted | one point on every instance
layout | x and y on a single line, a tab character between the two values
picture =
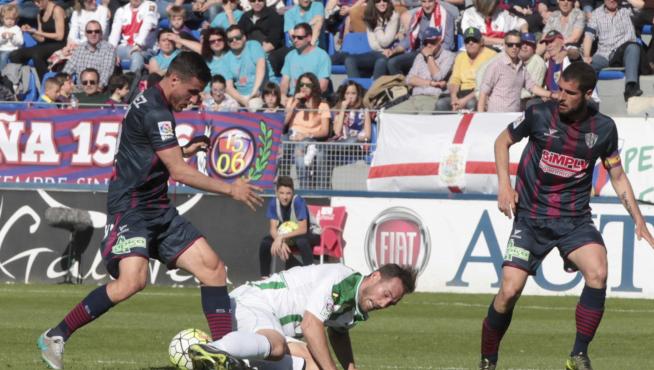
503	82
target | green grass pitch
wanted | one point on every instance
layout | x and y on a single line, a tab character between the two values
424	331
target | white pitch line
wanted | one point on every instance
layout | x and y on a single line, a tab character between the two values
529	307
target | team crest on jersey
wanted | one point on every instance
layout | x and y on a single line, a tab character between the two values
561	165
166	130
591	139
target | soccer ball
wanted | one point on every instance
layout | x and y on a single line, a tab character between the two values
287	227
178	348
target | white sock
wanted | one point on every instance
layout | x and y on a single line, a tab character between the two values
244	345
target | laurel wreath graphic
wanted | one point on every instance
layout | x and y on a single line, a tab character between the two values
263	155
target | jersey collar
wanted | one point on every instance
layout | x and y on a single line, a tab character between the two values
163	96
359	315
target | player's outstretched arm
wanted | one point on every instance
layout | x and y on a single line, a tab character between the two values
180	171
625	192
314	333
342	347
507	197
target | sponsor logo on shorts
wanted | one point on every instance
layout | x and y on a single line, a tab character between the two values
124	246
397	235
561	165
166	130
513	251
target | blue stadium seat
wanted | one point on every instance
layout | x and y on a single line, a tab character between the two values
46	77
353	43
28	40
460	42
611	74
646	30
164	23
364	82
32	93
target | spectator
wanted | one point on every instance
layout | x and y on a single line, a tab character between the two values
528	11
272	98
462	82
428	74
133	32
611	26
307	119
352	122
382	28
212	49
119	89
85	11
176	17
304	58
431	14
262	23
230	16
309	12
208	9
11	37
492	21
567	20
66	90
504	79
287	206
167	52
91	92
50	93
218	101
50	35
533	62
337	15
244	68
94	53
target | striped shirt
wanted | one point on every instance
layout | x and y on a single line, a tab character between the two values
103	59
610	30
555	173
503	82
420	69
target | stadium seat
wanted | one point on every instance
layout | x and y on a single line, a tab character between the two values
332	222
46	77
164	23
646	30
28	40
32	93
460	42
611	74
353	43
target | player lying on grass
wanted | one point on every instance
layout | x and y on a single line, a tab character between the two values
302	302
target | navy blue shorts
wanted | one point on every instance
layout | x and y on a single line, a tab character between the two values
162	236
532	239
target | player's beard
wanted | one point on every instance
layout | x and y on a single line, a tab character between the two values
576	112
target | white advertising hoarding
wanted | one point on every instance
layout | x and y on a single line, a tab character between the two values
459	245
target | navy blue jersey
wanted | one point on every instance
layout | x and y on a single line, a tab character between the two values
556	168
140	179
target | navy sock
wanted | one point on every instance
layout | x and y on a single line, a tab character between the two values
217	309
493	329
89	309
588	315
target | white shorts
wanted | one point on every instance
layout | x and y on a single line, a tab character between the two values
252	312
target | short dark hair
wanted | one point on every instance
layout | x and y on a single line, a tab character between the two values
583	74
234	27
187	65
62	77
218	78
406	274
286	181
271	88
162	32
306	27
513	33
116	82
90	70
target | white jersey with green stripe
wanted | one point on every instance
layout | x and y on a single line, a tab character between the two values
329	291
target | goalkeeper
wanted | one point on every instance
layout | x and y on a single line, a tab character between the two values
289	211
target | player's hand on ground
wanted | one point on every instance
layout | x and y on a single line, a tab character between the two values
507	200
643	233
243	191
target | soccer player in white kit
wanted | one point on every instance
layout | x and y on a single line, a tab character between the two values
301	302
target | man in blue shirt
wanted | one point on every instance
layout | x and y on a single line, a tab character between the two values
304	58
306	11
286	206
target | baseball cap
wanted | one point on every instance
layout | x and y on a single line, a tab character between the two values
472	33
528	37
431	33
551	35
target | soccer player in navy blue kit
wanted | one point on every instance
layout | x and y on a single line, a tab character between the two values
142	223
550	203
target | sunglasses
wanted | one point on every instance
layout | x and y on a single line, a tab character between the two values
257	1
216	41
89	82
90	32
513	44
235	38
299	37
305	84
467	41
381	1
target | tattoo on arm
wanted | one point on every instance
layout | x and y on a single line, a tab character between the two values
627	205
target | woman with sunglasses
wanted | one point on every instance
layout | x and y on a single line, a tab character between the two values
307	118
382	26
568	20
492	21
50	34
213	48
